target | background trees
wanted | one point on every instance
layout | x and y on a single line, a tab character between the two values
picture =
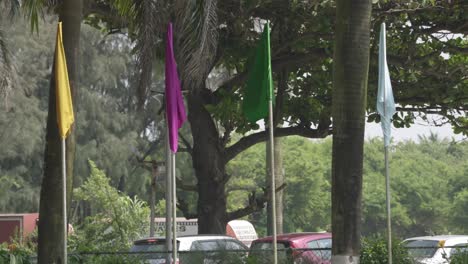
424	184
112	132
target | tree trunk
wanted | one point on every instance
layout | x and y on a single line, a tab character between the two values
351	63
279	180
208	162
50	246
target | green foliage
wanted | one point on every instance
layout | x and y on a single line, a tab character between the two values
112	133
108	129
428	181
307	178
460	256
375	251
117	219
14	255
104	259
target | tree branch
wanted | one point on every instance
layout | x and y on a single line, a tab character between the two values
413	10
186	187
284	61
241	188
188	147
255	203
252	139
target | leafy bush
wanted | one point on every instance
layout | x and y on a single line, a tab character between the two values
104	259
374	251
460	257
14	253
118	220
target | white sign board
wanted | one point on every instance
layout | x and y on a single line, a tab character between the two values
243	230
184	227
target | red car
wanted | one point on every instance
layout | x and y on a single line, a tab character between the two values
297	248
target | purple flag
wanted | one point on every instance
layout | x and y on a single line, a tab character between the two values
175	110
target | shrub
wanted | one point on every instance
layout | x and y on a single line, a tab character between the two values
14	253
118	220
374	251
460	257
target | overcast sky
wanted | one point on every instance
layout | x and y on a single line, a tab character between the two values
401	134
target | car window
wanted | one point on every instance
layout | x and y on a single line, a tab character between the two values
150	246
269	245
313	244
208	245
316	245
261	252
145	246
234	245
459	248
422	248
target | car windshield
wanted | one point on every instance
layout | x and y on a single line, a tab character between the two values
317	246
208	245
150	245
216	245
261	252
422	248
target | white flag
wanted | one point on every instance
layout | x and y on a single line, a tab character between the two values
385	101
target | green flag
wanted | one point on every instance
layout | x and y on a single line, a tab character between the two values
259	88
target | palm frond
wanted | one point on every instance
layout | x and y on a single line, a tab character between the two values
149	21
12	6
7	71
148	35
33	9
196	39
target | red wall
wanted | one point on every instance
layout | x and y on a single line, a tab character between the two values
8	229
11	223
29	223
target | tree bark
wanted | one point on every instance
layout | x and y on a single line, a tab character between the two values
279	180
351	63
50	246
209	164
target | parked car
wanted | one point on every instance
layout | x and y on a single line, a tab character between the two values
435	249
297	248
203	249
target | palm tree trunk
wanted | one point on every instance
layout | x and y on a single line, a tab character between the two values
50	246
351	64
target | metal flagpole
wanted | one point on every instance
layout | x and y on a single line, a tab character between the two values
387	189
273	182
64	186
174	208
168	199
389	222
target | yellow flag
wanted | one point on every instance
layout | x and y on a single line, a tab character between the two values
65	116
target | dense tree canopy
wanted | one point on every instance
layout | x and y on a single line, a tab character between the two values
428	181
108	129
428	74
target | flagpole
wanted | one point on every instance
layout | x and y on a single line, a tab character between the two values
174	208
64	186
168	198
273	181
389	222
387	190
386	109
